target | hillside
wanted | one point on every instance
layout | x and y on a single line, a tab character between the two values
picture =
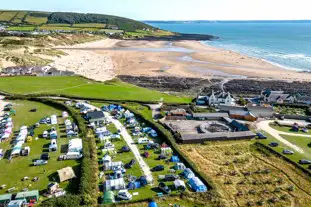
34	19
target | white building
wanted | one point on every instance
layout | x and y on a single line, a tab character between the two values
219	98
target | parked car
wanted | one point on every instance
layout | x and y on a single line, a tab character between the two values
288	152
164	188
40	162
170	177
158	168
124	195
125	149
274	144
130	164
45	156
261	136
304	162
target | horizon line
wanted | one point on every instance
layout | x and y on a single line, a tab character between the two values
256	20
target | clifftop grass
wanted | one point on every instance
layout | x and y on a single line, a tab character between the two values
75	86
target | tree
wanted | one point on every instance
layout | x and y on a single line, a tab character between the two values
242	101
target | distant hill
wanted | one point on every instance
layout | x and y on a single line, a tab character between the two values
37	18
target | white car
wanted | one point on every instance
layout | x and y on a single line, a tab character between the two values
124	195
288	152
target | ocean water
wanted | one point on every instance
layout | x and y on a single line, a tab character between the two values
287	44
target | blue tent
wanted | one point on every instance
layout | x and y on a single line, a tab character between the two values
143	180
153	133
188	173
112	107
146	129
119	108
152	204
197	185
175	159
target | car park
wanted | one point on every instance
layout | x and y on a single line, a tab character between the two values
164	188
158	168
288	152
304	162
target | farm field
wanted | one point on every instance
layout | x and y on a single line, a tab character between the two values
295	157
11	172
77	86
246	175
7	16
36	20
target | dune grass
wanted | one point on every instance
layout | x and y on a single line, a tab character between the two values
81	87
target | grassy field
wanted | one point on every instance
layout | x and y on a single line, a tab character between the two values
49	27
76	86
295	157
142	33
6	16
90	25
21	28
302	142
12	172
246	176
19	17
36	20
287	129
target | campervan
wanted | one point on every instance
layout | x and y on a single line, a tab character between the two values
143	140
73	156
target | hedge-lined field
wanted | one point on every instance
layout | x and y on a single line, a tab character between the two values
80	87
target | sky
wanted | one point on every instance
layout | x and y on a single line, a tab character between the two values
175	9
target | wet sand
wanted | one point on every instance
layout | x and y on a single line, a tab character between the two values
159	58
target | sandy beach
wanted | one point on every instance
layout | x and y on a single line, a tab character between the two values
105	59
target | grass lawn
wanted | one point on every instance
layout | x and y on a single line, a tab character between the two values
302	142
12	172
287	129
295	157
21	28
77	86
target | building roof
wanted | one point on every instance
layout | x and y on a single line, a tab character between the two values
238	112
228	108
66	173
5	197
209	115
95	115
27	194
304	98
178	111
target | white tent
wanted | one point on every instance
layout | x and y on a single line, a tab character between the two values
106	158
53	119
75	145
179	184
112	165
116	184
65	114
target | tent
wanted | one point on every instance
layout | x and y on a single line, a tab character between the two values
166	150
179	166
5	199
28	195
152	204
66	173
180	185
112	165
53	119
188	173
197	185
115	184
175	159
143	180
106	158
108	197
65	114
75	145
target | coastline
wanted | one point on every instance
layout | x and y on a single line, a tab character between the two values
192	59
